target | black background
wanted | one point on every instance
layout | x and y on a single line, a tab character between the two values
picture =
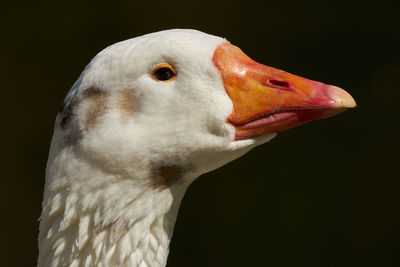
324	194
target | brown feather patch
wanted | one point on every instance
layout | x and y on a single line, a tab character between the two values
96	101
165	175
126	102
92	104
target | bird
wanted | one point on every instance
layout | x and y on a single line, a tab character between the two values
146	117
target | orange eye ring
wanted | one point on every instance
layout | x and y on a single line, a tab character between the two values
164	73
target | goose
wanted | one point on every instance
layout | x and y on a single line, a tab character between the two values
146	117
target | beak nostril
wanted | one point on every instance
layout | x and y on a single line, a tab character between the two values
281	84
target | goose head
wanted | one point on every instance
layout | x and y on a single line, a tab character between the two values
187	100
146	117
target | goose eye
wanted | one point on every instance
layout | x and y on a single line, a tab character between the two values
164	72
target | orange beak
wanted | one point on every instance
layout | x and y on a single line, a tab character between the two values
267	100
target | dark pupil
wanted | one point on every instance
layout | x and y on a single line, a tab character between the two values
164	74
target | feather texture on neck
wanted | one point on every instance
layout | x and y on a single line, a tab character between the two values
94	218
